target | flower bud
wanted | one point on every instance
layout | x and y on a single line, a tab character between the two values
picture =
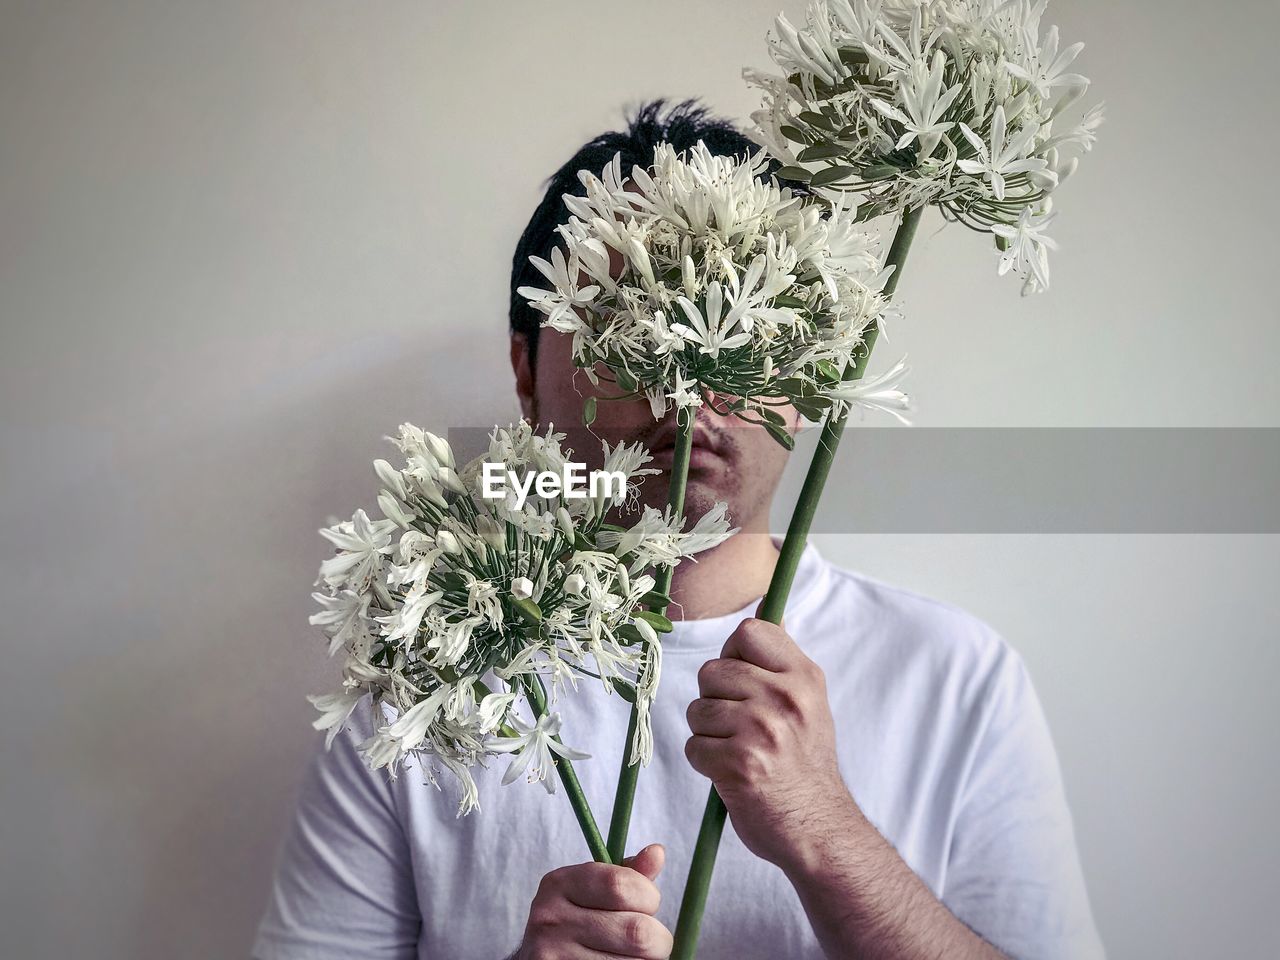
391	478
689	276
574	584
420	480
522	588
1066	168
565	521
447	542
646	630
450	480
1046	180
392	509
438	448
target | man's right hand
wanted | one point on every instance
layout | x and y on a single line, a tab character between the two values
596	910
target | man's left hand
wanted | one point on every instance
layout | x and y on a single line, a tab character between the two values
763	733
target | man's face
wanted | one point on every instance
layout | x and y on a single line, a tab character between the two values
732	460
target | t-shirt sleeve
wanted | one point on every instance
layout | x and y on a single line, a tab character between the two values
344	885
1014	874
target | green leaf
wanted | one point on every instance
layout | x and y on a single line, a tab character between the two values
529	610
780	434
879	171
589	411
792	133
869	211
625	380
793	387
832	175
815	119
625	690
821	151
799	174
795	303
629	634
655	598
656	620
828	370
771	416
812	408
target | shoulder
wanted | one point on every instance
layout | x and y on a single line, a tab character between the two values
899	615
913	635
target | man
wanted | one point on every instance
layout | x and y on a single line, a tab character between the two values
890	781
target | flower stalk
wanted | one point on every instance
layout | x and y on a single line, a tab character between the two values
572	787
694	902
629	771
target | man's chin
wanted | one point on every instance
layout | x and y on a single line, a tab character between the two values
700	495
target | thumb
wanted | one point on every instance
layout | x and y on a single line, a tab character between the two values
760	607
648	861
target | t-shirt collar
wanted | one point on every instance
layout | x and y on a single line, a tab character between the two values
709	634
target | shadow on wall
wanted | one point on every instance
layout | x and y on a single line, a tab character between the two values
182	653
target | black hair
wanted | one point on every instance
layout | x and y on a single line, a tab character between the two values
682	126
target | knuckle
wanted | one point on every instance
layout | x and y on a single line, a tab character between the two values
703	757
615	885
648	898
590	873
542	915
661	945
768	731
692	753
704	711
551	882
636	933
707	673
762	633
791	702
755	764
693	712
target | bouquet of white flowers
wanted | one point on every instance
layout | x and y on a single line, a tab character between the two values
699	276
952	103
454	608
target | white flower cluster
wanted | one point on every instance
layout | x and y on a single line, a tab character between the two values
456	606
949	102
697	276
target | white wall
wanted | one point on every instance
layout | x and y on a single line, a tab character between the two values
239	242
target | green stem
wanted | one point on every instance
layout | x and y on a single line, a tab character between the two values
564	767
629	771
698	883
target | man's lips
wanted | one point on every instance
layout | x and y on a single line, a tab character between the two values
708	447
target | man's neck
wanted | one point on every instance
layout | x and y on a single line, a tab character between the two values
724	579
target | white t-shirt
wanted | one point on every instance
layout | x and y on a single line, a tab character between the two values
941	741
